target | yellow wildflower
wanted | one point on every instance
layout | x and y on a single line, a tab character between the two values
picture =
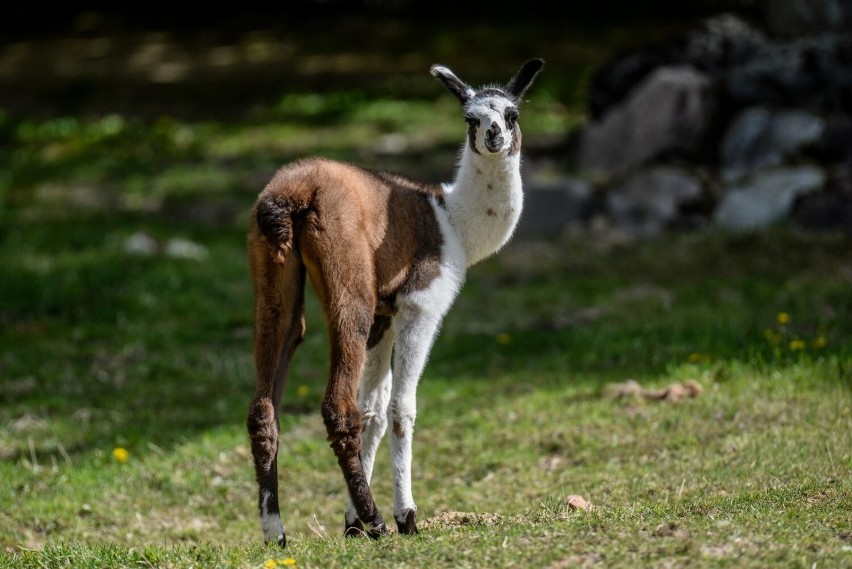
120	454
503	339
303	391
783	318
287	561
819	342
797	345
270	564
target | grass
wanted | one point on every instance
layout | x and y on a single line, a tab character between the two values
104	348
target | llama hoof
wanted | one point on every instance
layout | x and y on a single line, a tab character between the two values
353	529
281	540
407	526
377	531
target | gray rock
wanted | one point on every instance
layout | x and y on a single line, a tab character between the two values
767	198
650	200
669	112
796	17
812	73
712	48
549	209
830	209
758	138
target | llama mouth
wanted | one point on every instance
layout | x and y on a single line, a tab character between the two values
494	144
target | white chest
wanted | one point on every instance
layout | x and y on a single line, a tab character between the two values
484	205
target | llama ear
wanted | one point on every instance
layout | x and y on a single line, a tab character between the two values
524	77
456	86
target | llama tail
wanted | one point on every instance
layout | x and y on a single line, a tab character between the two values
274	215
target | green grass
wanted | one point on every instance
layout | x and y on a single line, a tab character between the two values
103	349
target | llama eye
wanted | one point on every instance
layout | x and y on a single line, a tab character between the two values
511	116
471	120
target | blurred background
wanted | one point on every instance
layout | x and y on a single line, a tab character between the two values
688	214
668	115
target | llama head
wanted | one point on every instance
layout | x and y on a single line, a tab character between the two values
491	112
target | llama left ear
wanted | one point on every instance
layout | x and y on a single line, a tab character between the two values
524	77
456	86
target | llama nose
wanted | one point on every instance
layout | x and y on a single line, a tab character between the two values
494	138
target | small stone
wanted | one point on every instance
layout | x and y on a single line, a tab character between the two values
577	502
629	388
693	388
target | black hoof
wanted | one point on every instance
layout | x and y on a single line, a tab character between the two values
408	525
378	531
355	529
282	541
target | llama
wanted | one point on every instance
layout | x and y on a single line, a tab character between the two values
386	256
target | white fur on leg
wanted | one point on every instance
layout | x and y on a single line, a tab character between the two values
418	317
273	529
373	398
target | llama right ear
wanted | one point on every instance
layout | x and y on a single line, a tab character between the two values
456	86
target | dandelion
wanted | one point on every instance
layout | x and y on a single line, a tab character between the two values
796	345
120	454
303	391
273	563
783	318
819	342
503	339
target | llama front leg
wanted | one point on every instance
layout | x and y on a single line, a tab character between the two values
373	398
414	337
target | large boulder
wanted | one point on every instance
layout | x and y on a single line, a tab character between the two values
667	114
798	17
813	73
758	138
766	198
712	48
830	209
550	207
651	200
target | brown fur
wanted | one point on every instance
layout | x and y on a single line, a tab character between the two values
362	238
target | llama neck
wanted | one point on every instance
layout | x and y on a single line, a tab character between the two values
484	201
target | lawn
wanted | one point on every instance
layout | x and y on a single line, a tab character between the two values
126	372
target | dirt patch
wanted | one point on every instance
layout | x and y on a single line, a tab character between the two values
460	519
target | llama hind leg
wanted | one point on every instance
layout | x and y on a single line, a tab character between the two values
349	332
373	398
279	328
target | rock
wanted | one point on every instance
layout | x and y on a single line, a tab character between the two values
766	198
650	200
576	502
549	208
834	145
667	114
140	244
797	17
185	249
758	138
831	209
812	73
629	389
712	48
